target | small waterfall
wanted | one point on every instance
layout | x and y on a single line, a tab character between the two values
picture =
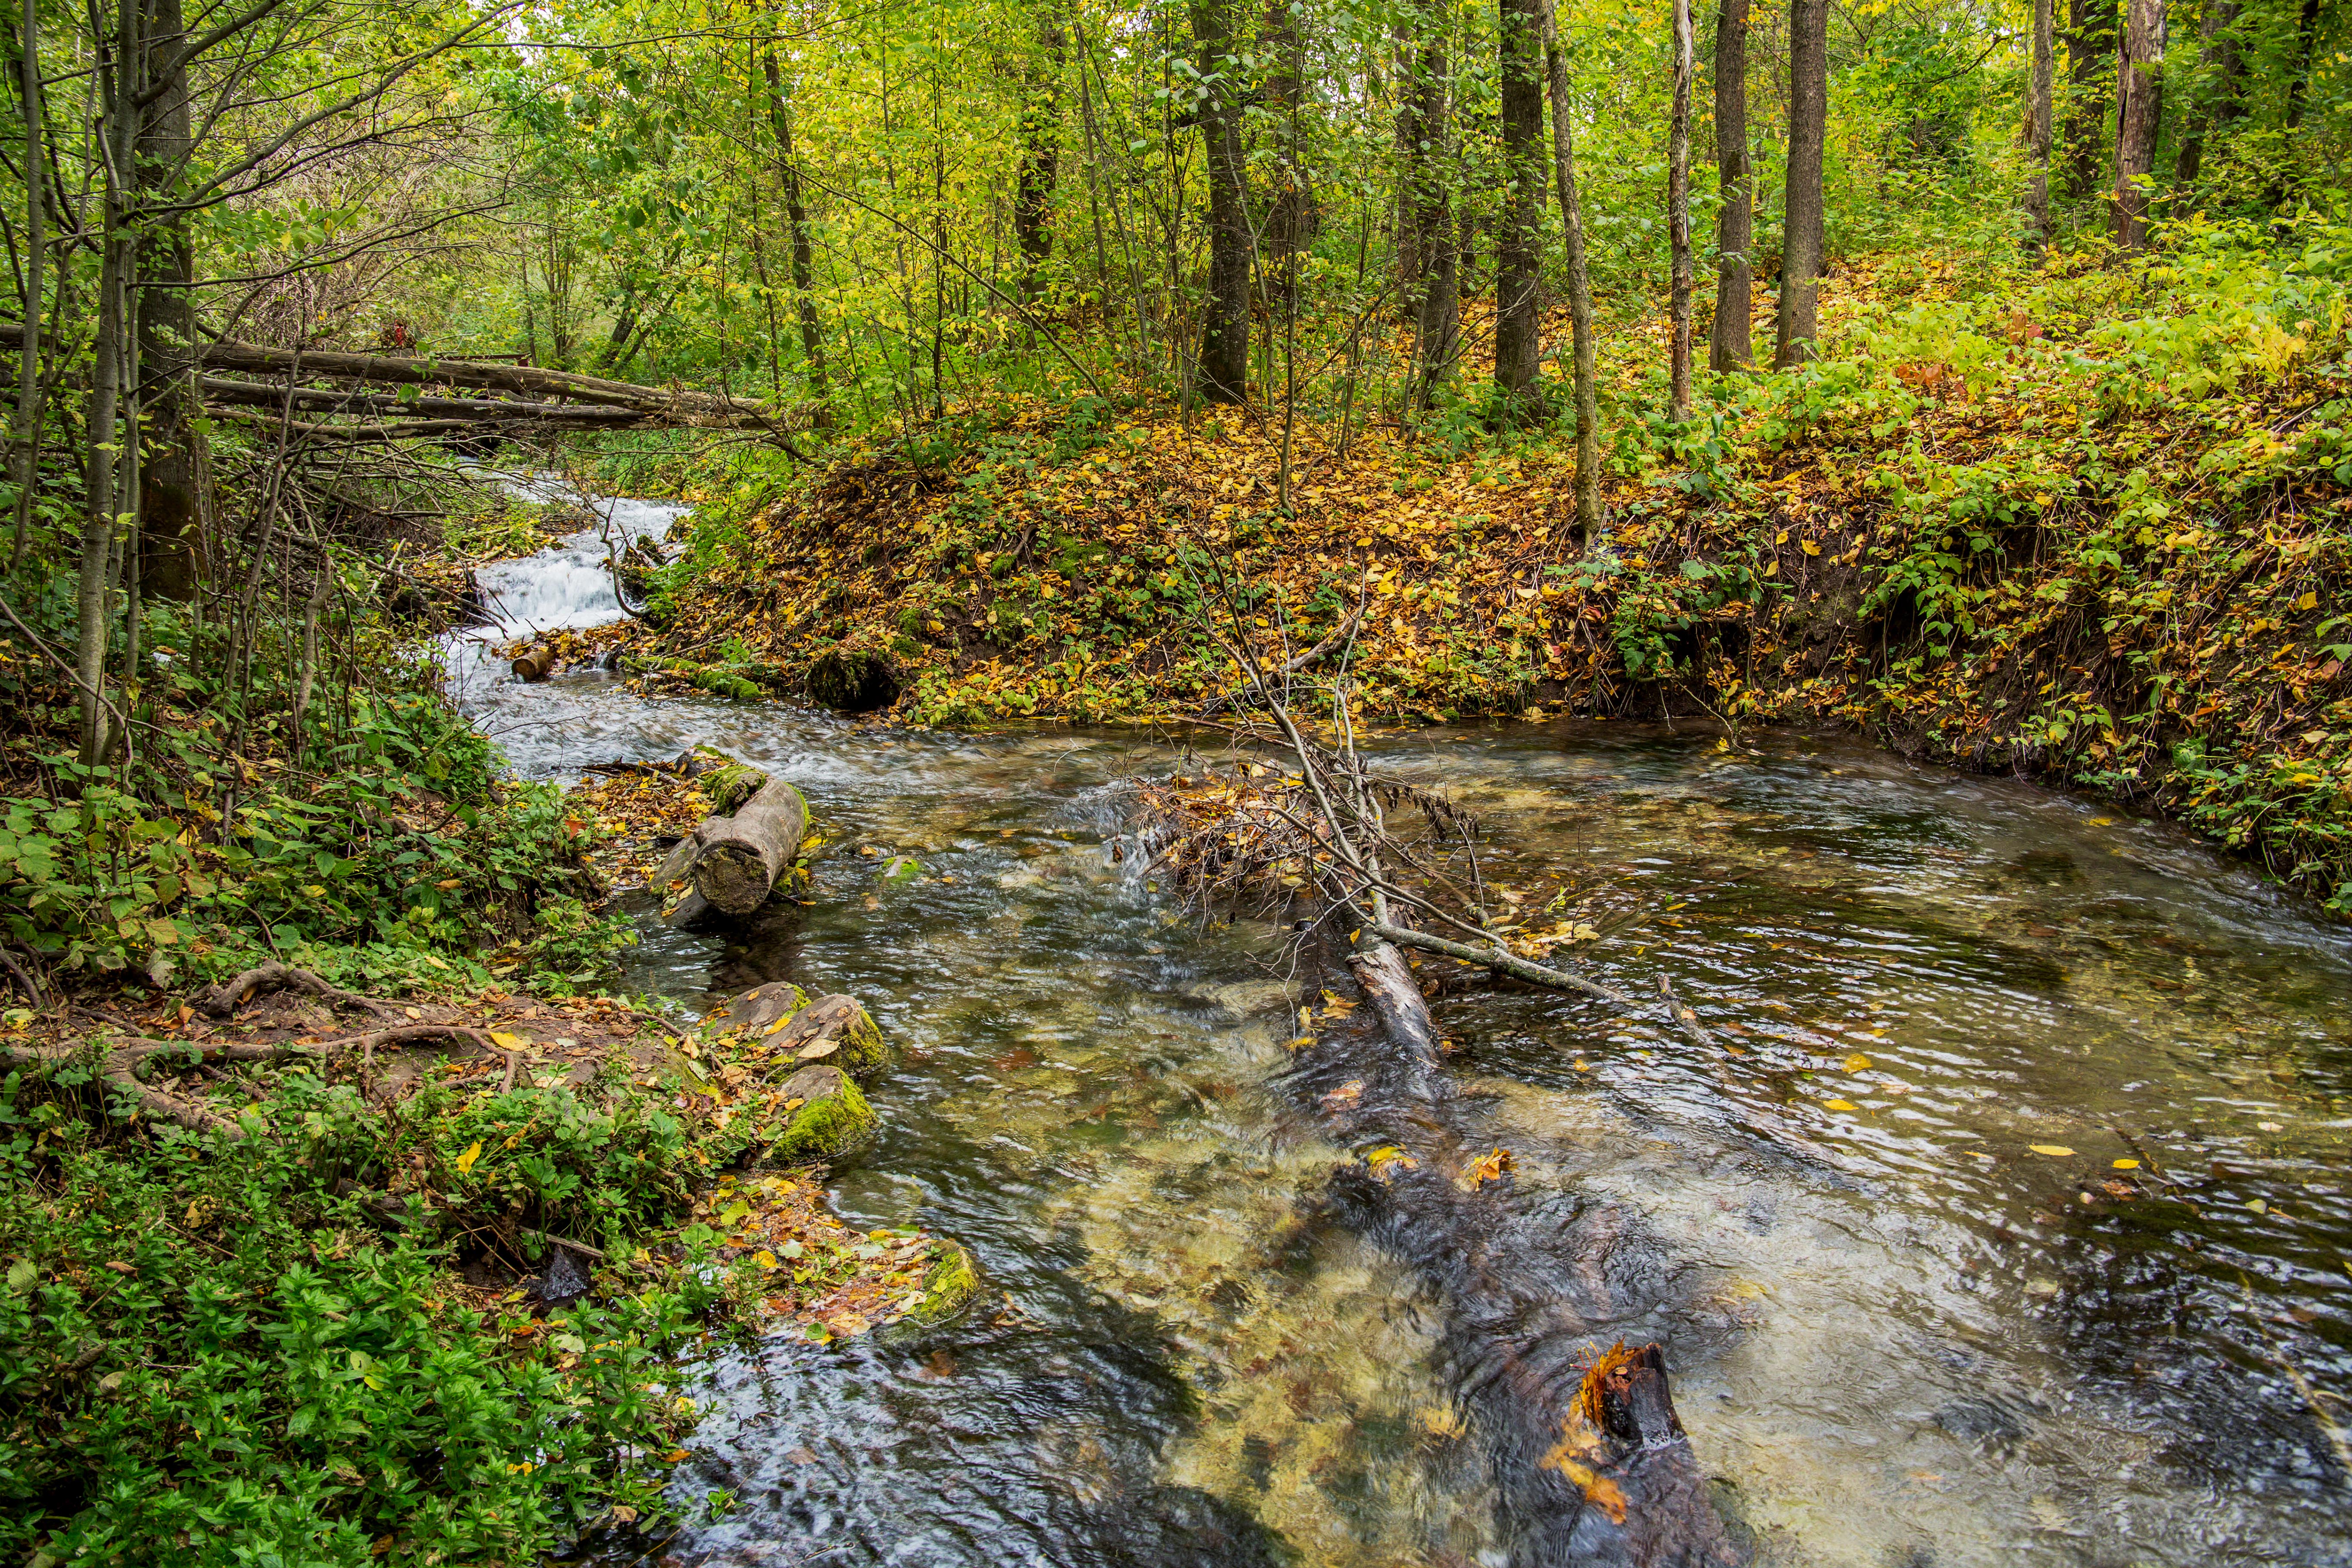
564	585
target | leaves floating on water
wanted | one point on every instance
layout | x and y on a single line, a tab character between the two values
1489	1167
2128	1164
1857	1064
1841	1105
2055	1151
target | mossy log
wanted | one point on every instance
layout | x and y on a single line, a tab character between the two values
736	858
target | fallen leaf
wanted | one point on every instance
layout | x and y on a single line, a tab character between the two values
2055	1151
508	1042
2128	1164
465	1161
1841	1105
1857	1064
1489	1167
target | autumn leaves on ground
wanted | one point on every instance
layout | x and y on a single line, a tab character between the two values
2094	529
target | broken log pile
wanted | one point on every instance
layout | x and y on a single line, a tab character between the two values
1593	1463
528	398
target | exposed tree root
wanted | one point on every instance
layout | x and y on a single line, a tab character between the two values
221	1001
118	1065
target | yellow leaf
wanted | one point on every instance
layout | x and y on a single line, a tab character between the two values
1391	1155
508	1042
2055	1151
1841	1105
765	1260
1809	547
2308	602
2128	1164
1857	1064
465	1161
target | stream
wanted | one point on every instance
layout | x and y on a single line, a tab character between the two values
1899	1335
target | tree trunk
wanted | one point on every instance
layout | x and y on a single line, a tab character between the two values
1429	258
2037	132
1678	134
2221	74
1801	245
1040	156
2139	110
1518	249
2090	52
1730	345
25	456
1580	290
779	116
1223	367
176	484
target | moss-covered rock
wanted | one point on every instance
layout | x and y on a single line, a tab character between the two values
902	868
950	1285
837	1031
832	1121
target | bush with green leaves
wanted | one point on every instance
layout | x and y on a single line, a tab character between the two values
207	1356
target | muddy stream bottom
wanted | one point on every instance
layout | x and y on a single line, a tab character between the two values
2011	1227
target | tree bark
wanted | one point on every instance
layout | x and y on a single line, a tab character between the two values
2139	111
1585	350
25	457
527	381
2220	79
2090	52
1040	156
1678	136
175	480
1801	245
1519	249
1224	365
1428	257
1730	345
779	116
2037	132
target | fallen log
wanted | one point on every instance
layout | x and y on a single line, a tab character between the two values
741	856
221	390
535	663
527	381
734	859
1593	1463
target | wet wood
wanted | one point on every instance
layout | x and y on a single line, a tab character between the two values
535	663
1591	1459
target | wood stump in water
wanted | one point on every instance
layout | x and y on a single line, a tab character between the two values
535	663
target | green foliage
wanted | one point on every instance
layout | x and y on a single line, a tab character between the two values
210	1358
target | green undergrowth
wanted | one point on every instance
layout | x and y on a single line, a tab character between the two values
207	1356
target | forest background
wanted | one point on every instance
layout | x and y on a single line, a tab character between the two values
1966	371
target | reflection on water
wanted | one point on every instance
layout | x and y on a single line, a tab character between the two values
1900	1335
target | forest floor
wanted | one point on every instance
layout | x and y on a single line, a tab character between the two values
1994	533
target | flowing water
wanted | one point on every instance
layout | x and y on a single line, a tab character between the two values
1899	1334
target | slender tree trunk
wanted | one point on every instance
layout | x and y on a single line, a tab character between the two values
2090	54
1518	251
176	507
2221	73
1041	157
1678	137
2140	111
2306	39
1580	288
1429	258
1290	216
2037	132
1225	336
1731	344
1801	247
25	458
788	167
103	428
